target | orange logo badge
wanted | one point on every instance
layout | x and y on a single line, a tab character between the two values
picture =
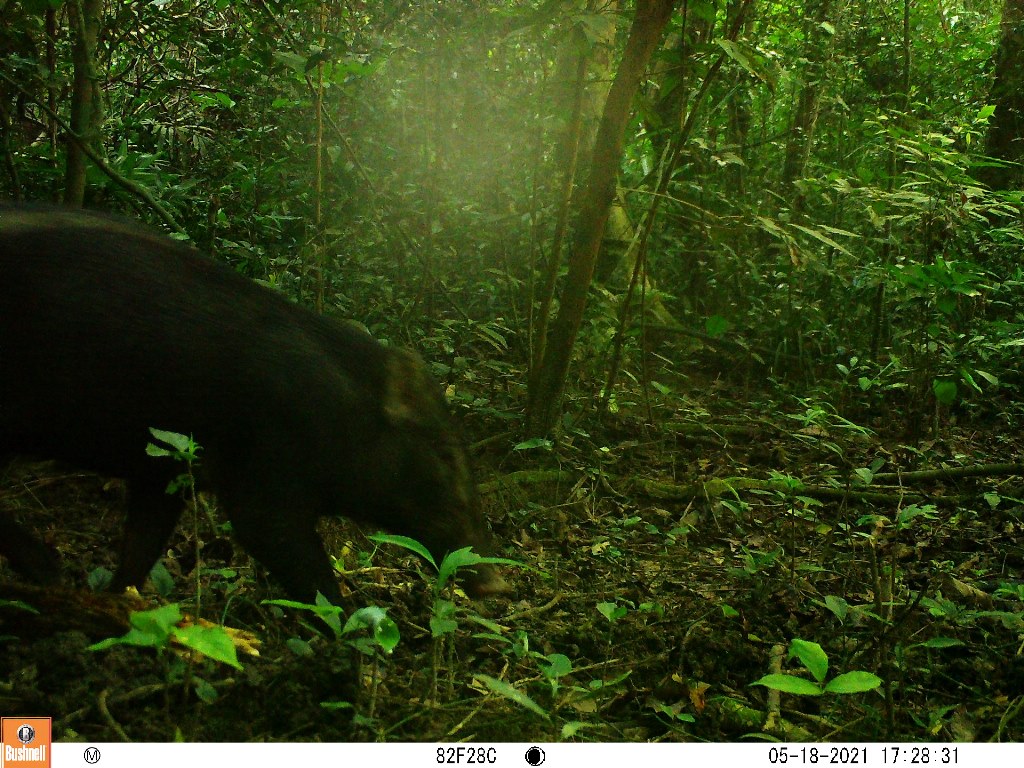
25	742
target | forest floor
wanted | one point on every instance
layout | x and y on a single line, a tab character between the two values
671	557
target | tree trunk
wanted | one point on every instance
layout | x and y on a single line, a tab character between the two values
86	107
805	119
1005	139
592	205
578	91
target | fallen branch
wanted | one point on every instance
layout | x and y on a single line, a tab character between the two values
731	486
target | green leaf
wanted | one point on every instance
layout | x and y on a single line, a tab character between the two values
853	682
205	692
440	627
404	541
716	326
940	642
838	605
299	647
611	611
162	579
99	578
336	705
945	391
150	629
823	238
460	558
990	378
493	337
442	618
512	694
750	59
291	60
18	605
555	665
493	626
176	440
158	621
213	642
323	609
296	604
865	475
968	379
213	100
790	684
532	443
811	655
771	227
383	630
573	727
673	713
597	685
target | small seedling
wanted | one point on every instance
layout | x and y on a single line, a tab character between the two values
158	628
815	660
612	611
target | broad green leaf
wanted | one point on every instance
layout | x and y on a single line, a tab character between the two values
555	665
382	628
940	642
790	684
504	689
158	621
611	611
176	440
811	655
150	629
853	682
838	605
945	391
460	558
213	642
404	541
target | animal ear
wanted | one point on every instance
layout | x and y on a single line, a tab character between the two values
409	391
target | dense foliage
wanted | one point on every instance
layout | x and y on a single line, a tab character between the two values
810	222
